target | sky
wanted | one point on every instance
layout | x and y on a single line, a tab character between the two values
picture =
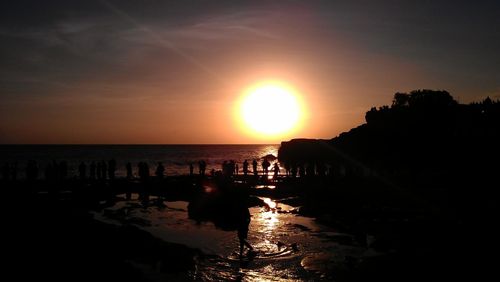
171	72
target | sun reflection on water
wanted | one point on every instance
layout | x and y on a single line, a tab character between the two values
270	203
270	150
267	221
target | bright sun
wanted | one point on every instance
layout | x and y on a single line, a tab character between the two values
270	109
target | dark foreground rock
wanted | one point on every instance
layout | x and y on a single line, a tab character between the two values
59	240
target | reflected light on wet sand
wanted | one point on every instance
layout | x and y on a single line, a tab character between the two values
267	220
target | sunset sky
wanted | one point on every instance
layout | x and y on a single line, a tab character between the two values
173	71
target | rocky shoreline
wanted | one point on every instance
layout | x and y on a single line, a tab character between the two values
60	239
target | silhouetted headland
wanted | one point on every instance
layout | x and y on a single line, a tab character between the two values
421	174
423	133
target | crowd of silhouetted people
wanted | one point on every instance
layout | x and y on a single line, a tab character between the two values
98	170
9	171
106	170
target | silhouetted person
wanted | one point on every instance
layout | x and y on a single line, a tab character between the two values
160	170
99	170
6	171
265	166
293	170
245	167
143	171
111	169
32	170
302	171
343	171
310	170
202	165
92	170
287	169
232	167
191	169
128	166
225	168
63	170
321	169
82	169
104	170
55	171
48	171
140	170
13	171
243	222
276	170
331	171
254	167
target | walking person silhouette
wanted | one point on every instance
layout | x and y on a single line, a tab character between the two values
243	223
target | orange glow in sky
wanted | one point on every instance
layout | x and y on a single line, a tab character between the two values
225	72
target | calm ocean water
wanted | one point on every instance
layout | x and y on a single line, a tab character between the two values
175	158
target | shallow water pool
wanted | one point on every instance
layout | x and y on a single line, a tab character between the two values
287	246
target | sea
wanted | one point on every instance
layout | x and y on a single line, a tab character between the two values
175	158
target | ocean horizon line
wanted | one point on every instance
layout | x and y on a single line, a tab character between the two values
138	144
